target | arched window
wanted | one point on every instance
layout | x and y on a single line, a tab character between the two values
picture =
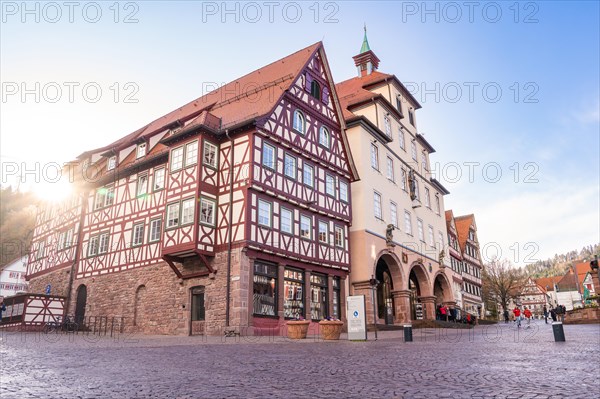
299	121
315	89
324	136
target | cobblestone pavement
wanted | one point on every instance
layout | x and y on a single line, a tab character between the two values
487	362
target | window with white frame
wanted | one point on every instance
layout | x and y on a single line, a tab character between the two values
299	122
323	232
377	205
437	204
155	230
305	227
339	237
424	161
187	211
403	177
430	236
440	240
343	191
109	198
308	175
401	139
374	157
159	179
387	125
268	156
324	137
140	151
420	230
191	153
209	154
207	211
264	213
142	185
407	223
68	238
427	199
112	163
390	169
289	165
330	185
413	149
103	243
393	214
176	158
172	215
286	221
138	234
92	246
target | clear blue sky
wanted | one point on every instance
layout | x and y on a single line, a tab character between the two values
512	87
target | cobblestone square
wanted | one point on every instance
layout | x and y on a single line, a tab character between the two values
496	361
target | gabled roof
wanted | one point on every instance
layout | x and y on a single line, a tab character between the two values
582	269
463	224
547	283
568	282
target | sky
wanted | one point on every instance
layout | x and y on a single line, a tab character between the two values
510	91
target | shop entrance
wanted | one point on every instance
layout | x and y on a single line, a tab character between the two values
416	307
385	301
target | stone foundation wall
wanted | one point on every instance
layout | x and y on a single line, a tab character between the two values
58	280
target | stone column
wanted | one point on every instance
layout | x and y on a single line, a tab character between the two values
428	307
402	309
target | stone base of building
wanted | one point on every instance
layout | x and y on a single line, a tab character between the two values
583	316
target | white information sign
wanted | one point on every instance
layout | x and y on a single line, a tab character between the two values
357	318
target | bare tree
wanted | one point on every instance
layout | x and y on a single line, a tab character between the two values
501	280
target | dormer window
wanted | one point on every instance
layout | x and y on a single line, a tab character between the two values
315	89
141	150
112	163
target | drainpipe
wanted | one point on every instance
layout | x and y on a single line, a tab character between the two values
230	233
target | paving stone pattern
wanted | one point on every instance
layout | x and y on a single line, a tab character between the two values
487	362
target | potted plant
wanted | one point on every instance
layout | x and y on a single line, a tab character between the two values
331	328
297	329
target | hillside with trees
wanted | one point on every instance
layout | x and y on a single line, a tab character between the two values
17	221
558	265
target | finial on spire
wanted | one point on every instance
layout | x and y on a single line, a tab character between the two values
365	45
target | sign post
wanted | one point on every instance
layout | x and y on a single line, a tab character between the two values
356	316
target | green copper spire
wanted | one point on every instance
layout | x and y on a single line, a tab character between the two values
365	46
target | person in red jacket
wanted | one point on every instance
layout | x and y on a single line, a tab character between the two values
517	313
527	314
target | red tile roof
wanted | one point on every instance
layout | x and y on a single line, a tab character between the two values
582	270
463	224
547	283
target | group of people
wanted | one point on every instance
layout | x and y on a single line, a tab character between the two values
444	313
555	313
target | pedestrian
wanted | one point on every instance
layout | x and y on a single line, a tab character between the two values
527	314
553	314
444	313
563	311
506	316
2	307
545	314
517	313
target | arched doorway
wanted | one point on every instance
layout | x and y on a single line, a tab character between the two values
385	301
416	307
80	306
441	290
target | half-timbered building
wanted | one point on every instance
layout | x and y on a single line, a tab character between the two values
231	212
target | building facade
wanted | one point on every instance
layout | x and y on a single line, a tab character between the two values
456	259
534	297
398	229
12	277
231	212
472	266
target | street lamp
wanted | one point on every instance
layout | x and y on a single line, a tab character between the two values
374	283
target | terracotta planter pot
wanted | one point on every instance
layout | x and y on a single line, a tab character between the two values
331	330
297	329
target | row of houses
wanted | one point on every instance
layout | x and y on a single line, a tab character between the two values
273	197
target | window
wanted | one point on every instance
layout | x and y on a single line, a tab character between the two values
187	211
424	161
141	150
308	175
324	137
437	204
155	230
293	293
268	156
103	243
399	104
159	179
191	153
176	158
393	214
343	191
401	139
305	227
427	199
265	289
374	157
411	117
173	215
319	297
430	236
335	312
407	223
299	122
207	211
92	246
289	168
413	150
323	232
390	169
138	234
440	240
209	155
198	311
420	230
142	185
285	221
112	163
377	205
339	237
104	197
330	185
388	126
315	89
403	176
264	213
110	196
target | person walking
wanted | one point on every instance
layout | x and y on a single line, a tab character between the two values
527	314
505	316
444	313
545	314
517	313
553	314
